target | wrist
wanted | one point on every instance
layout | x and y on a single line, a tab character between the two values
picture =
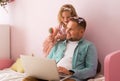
71	72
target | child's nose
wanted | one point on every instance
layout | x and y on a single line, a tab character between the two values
67	30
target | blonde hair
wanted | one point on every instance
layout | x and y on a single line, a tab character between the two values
66	7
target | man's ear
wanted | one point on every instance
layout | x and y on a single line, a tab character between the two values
82	31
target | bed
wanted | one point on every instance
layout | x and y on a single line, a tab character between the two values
112	66
111	69
11	75
8	74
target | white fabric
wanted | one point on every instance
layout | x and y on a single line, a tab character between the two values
66	61
10	75
98	77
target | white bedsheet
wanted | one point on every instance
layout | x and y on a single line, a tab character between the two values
10	75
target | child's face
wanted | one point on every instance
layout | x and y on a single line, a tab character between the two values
66	17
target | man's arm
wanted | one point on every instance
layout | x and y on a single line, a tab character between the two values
91	61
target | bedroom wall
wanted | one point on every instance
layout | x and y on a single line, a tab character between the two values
4	15
4	33
31	19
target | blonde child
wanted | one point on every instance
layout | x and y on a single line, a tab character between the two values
59	32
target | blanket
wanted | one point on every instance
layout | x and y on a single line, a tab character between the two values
10	75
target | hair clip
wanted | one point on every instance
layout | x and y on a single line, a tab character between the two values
80	20
65	8
75	18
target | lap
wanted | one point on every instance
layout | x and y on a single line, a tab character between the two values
69	79
30	78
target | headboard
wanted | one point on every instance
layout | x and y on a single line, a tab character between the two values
4	41
112	66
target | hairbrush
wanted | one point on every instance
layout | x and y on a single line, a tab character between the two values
51	30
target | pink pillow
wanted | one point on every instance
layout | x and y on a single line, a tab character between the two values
5	63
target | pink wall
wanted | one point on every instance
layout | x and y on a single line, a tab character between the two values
4	15
31	19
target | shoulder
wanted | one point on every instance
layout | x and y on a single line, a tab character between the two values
61	42
91	46
86	44
85	41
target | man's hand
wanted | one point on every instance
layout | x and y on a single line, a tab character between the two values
63	70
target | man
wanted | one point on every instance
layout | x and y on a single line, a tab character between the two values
75	56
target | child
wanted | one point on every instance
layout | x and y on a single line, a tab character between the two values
59	32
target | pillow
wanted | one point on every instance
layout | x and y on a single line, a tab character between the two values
5	63
17	66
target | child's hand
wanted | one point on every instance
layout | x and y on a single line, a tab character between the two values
60	37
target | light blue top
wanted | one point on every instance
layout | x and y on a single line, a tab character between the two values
85	59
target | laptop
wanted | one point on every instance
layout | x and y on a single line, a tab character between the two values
40	67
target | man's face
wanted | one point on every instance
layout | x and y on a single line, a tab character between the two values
74	32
